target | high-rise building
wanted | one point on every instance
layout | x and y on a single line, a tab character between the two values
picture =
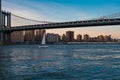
52	38
118	40
86	37
29	36
69	36
107	38
0	16
17	36
43	31
39	35
79	37
101	38
93	39
63	37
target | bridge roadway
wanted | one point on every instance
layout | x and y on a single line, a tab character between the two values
86	23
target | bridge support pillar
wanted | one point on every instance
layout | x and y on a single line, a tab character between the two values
5	24
5	38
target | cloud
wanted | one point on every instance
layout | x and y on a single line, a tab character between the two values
45	11
22	11
60	12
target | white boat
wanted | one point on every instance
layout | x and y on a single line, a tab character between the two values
43	41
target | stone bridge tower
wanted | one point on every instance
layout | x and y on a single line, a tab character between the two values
5	23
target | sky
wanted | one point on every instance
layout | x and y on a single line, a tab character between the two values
67	10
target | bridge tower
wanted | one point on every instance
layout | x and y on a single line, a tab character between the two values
0	15
0	21
5	23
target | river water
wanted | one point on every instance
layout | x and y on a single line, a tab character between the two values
60	62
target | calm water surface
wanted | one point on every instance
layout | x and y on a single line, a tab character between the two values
60	62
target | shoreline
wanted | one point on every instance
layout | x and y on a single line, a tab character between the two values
91	42
68	43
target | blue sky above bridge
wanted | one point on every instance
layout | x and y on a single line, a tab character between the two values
66	10
62	10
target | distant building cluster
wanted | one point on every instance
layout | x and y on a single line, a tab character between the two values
52	38
100	38
69	37
35	36
29	36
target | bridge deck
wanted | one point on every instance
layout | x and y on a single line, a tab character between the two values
86	23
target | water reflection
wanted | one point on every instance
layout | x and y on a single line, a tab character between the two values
5	65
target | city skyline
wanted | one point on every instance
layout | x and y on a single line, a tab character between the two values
67	10
36	36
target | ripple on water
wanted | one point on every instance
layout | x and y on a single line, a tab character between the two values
61	62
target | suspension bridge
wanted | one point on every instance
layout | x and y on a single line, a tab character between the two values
10	22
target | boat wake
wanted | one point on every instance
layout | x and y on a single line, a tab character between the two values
43	46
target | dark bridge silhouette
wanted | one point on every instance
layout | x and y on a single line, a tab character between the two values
87	23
